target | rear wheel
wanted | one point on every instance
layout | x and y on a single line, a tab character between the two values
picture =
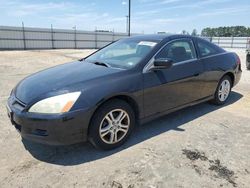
223	91
111	124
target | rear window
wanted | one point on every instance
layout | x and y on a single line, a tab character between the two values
207	48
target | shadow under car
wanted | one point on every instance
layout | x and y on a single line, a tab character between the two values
85	152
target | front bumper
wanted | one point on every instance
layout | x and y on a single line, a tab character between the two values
62	129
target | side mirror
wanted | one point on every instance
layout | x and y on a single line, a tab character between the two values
162	63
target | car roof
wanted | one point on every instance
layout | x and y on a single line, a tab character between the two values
159	37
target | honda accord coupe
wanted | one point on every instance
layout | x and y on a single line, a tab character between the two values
102	97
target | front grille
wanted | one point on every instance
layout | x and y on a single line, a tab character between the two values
40	132
18	127
17	104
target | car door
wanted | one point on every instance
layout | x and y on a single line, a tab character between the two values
212	62
180	84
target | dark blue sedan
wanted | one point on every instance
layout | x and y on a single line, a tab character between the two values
102	97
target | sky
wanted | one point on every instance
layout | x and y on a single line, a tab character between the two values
147	16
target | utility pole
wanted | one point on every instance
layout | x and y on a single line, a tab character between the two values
129	17
127	24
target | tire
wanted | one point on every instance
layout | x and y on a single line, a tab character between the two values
248	62
106	130
221	95
248	66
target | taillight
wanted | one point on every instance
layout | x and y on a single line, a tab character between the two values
238	59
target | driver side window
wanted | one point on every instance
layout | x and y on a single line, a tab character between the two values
178	51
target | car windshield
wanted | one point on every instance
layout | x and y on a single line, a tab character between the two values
123	54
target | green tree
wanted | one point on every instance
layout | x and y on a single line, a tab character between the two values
233	31
184	32
194	32
248	32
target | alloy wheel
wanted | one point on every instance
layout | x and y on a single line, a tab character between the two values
224	90
114	126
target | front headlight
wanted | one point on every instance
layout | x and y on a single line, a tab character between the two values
56	104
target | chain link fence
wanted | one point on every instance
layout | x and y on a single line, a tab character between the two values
24	38
231	42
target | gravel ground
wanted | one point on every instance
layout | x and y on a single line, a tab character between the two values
200	146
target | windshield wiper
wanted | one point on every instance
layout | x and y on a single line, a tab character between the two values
102	64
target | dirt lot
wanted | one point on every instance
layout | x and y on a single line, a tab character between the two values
201	146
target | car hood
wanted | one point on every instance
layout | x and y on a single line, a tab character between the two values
59	77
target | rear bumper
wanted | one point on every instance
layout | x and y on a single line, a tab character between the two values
237	76
64	129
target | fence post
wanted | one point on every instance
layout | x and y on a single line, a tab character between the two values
24	40
52	37
218	41
113	35
95	38
75	37
232	42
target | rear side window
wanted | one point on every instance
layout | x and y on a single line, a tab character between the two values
207	49
178	51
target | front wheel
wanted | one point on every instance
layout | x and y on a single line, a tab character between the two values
223	91
111	124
